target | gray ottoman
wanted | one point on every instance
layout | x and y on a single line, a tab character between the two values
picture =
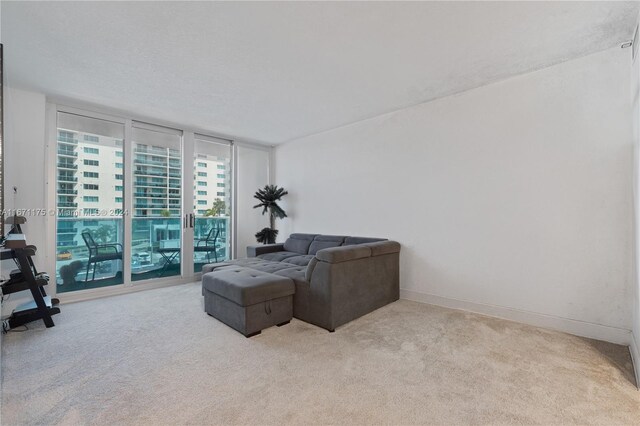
248	300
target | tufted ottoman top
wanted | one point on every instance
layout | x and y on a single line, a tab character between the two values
245	286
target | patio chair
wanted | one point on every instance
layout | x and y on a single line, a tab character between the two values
209	243
99	253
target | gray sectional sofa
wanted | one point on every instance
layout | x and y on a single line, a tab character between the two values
334	279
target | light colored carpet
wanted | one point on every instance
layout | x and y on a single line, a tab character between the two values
156	358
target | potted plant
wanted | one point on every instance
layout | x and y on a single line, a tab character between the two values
269	197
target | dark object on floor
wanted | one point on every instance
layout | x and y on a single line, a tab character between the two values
100	253
69	272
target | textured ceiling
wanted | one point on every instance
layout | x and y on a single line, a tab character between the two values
273	72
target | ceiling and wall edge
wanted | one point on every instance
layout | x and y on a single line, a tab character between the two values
459	93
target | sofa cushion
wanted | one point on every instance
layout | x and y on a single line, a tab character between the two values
246	286
295	273
349	241
269	266
278	256
299	243
237	262
325	241
302	260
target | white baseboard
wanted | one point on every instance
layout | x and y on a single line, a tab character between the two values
616	335
635	357
116	290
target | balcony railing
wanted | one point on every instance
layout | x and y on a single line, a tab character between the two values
151	163
61	231
149	195
67	191
67	166
67	152
68	205
148	173
151	184
67	179
151	150
149	206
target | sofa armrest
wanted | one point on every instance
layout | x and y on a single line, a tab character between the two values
379	248
343	253
255	251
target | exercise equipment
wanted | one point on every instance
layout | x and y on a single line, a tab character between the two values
26	277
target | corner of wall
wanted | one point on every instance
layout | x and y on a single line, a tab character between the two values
635	122
635	358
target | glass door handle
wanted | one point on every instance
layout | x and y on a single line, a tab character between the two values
192	220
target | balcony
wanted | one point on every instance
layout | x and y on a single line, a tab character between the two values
148	236
67	152
67	179
151	150
148	173
149	195
68	205
150	206
69	166
66	139
150	184
67	230
67	191
141	162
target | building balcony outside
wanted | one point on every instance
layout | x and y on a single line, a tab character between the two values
68	205
67	191
141	162
69	166
149	173
68	140
149	195
66	230
67	179
67	152
150	150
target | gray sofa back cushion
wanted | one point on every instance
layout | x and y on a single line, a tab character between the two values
325	241
299	243
349	241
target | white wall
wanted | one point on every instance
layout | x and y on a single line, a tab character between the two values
24	168
635	120
515	195
252	174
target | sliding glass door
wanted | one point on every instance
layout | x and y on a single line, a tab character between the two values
211	201
138	203
156	220
89	200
